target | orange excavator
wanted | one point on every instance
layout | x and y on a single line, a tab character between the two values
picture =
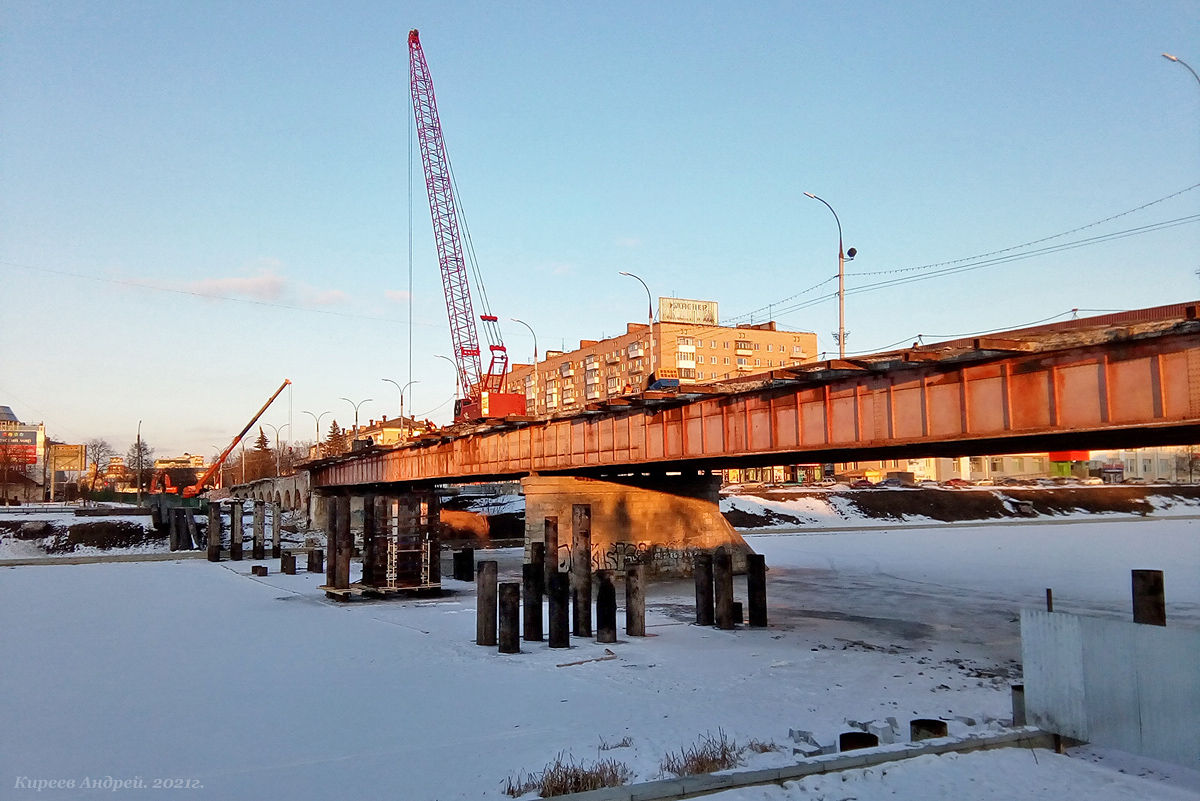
161	483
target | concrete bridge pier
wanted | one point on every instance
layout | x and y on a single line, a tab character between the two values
659	520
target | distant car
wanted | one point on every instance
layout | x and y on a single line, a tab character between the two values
1012	482
893	482
862	483
985	482
929	485
1134	480
1092	481
1045	482
826	482
958	482
1162	481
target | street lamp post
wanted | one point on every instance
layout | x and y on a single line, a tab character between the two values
455	366
649	313
317	421
401	389
278	454
842	257
356	406
534	334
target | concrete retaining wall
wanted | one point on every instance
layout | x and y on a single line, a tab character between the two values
1112	683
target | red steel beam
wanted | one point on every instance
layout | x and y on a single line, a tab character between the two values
1123	392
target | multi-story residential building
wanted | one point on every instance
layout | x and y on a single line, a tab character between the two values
692	352
1176	464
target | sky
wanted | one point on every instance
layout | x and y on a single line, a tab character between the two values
199	200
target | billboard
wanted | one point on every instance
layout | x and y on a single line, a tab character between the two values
68	458
19	445
682	310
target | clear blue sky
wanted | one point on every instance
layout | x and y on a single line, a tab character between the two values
260	151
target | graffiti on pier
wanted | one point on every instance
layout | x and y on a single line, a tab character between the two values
668	558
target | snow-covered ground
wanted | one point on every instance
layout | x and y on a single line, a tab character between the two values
259	688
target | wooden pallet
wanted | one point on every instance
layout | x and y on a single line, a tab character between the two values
339	594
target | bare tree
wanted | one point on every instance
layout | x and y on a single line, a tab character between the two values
99	451
147	463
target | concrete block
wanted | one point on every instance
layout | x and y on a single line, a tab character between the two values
807	750
882	731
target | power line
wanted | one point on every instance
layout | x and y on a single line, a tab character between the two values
1032	242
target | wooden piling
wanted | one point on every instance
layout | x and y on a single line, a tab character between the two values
236	532
756	588
550	539
531	585
464	565
702	571
606	607
581	568
510	618
316	560
214	532
537	556
276	531
287	564
258	550
193	531
331	527
1149	598
172	529
369	557
559	588
345	545
485	603
635	601
723	588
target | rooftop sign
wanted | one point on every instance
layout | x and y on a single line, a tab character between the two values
682	310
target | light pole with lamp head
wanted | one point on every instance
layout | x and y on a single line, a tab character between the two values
843	256
278	453
535	359
139	466
649	314
1178	60
317	420
356	405
455	366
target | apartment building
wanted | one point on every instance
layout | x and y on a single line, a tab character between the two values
695	353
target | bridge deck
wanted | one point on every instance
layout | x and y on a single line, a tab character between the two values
1097	383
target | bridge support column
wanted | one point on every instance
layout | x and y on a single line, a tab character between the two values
259	549
660	521
214	532
581	568
276	531
236	532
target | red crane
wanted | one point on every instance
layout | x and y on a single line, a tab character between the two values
484	391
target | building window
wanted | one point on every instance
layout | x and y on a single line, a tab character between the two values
741	361
1162	466
712	343
756	346
1019	464
758	362
997	465
727	360
768	347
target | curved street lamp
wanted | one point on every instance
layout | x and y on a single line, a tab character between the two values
356	405
1178	60
649	313
278	454
455	366
533	333
842	256
317	420
401	388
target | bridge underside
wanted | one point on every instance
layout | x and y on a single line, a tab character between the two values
1085	388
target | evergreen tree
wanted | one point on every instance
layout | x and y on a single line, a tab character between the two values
335	440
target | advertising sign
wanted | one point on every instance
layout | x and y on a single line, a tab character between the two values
67	458
682	310
18	445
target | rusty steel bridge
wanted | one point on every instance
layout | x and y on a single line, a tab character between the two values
1121	380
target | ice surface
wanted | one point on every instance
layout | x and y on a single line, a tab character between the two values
259	688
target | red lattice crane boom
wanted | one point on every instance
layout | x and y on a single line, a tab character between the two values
483	391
